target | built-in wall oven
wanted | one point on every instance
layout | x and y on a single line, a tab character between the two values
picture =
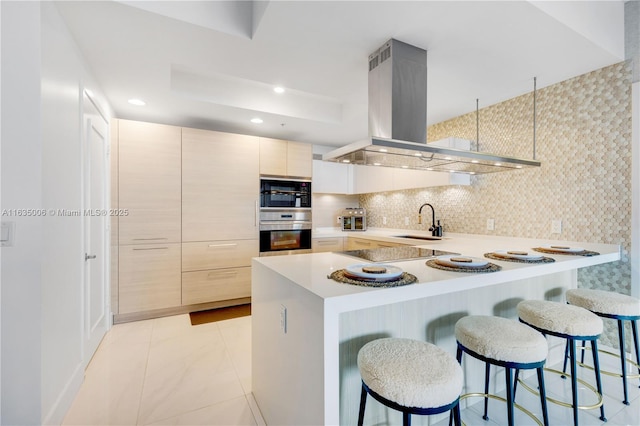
284	193
285	231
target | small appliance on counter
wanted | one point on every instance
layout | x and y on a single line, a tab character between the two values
354	219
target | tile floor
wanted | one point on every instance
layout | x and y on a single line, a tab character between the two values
166	372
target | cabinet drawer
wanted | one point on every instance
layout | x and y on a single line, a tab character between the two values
215	285
149	277
360	244
218	254
320	245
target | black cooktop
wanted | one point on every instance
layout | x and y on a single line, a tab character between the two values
390	254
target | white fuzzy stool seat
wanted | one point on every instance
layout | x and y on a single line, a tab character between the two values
572	323
506	343
411	376
620	307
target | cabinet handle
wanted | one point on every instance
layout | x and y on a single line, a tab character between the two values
362	243
222	245
255	215
221	275
151	248
327	242
149	239
89	256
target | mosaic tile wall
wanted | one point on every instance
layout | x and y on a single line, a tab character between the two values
583	141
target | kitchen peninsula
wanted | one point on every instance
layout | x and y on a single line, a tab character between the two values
307	328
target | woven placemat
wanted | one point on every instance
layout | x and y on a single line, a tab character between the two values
491	267
579	253
404	279
513	259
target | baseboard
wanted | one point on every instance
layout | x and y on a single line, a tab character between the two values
57	412
138	316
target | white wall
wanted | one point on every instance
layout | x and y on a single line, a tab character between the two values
21	315
43	77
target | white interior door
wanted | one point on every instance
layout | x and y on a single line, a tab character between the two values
96	219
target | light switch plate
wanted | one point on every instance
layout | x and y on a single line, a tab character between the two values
491	224
6	231
556	226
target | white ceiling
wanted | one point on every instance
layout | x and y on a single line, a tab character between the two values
212	65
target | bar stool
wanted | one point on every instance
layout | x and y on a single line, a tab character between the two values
616	306
410	376
572	323
505	343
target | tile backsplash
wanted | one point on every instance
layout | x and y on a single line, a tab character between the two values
583	141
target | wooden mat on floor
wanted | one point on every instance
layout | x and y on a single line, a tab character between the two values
220	314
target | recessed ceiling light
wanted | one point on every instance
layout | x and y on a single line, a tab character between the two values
376	164
256	120
346	161
472	173
278	89
447	158
405	167
137	102
498	164
382	150
452	171
417	154
429	168
518	167
474	161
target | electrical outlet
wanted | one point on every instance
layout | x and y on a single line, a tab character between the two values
283	319
491	224
338	220
556	226
406	220
384	220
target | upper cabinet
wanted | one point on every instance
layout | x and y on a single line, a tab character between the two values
337	178
285	158
220	186
149	173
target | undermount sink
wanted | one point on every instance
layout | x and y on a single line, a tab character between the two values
419	237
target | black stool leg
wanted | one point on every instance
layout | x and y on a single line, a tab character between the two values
363	402
543	396
456	415
574	382
507	375
623	360
596	369
487	369
406	419
566	357
515	383
634	329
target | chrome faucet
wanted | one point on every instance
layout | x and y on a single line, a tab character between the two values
436	230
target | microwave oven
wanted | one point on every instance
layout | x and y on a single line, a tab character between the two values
285	193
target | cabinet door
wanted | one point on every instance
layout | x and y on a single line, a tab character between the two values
218	254
220	186
215	285
149	277
273	157
299	159
368	179
331	178
321	245
149	171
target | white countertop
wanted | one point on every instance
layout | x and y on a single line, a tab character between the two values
310	271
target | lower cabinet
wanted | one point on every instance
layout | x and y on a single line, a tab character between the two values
215	285
149	277
321	245
353	243
217	270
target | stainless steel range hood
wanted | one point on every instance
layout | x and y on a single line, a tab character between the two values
398	122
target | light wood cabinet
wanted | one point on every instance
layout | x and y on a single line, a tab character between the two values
354	243
215	285
321	245
149	277
218	254
285	158
149	170
220	186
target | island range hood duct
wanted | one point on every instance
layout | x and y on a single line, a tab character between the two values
398	122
